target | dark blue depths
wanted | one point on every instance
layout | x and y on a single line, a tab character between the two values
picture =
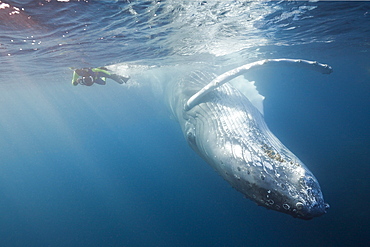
107	166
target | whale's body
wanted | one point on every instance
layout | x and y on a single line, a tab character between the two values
229	132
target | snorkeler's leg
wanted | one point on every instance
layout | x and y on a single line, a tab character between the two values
119	79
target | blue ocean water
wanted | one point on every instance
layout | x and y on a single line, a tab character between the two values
107	166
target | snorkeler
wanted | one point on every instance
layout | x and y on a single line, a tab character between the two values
89	76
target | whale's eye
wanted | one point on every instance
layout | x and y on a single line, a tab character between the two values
191	138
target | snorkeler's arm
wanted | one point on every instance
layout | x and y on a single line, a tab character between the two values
100	80
74	78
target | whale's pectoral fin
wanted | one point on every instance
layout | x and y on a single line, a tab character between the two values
231	74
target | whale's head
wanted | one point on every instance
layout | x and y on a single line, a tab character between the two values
275	180
270	179
292	189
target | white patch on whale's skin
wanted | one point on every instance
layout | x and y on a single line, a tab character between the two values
250	91
228	131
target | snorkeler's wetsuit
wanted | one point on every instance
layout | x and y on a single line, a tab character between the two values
89	76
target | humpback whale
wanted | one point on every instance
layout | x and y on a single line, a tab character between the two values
226	127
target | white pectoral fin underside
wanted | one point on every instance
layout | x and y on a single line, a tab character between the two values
249	89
